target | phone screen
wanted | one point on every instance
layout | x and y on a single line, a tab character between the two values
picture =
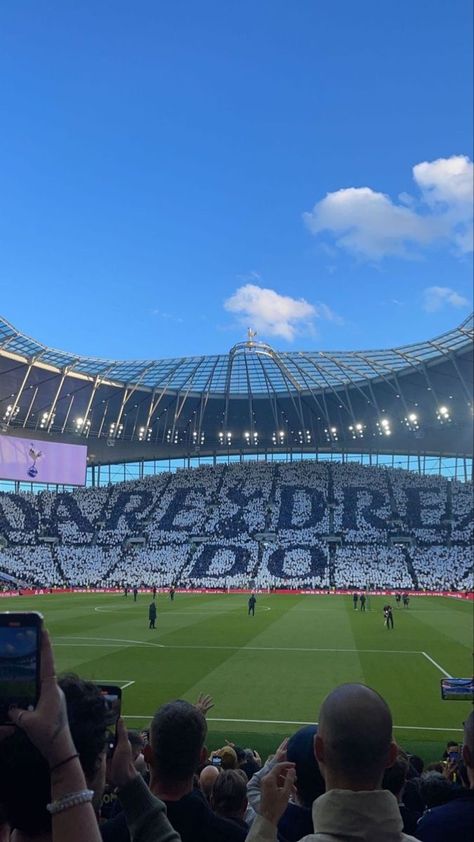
457	689
20	639
112	697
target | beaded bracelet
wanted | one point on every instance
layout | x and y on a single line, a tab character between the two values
74	799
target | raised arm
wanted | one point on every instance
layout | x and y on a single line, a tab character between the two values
47	727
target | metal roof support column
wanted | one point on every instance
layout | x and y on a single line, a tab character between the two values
150	411
95	385
125	396
17	399
30	407
67	413
104	416
56	398
459	374
430	384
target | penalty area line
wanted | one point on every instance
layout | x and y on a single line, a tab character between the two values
435	664
301	722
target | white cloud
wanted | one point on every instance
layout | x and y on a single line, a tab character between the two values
371	224
447	180
435	298
272	314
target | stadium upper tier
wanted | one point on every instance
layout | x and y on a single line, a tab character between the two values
254	396
302	524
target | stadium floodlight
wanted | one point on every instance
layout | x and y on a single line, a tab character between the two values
443	414
411	421
357	430
384	427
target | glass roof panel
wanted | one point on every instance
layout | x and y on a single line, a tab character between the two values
253	364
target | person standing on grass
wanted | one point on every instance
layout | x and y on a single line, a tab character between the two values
388	616
355	598
152	615
135	593
252	602
125	591
154	591
362	601
397	599
172	593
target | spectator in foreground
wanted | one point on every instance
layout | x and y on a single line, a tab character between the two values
395	779
229	797
176	750
43	738
207	779
353	747
174	754
44	760
435	789
297	820
456	818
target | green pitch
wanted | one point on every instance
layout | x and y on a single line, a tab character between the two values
267	673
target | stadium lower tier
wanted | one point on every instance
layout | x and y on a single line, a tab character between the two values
240	565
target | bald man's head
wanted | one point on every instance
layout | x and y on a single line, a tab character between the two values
207	779
354	740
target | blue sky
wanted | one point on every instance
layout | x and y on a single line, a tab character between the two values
173	172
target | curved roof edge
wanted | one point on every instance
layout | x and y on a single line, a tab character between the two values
255	368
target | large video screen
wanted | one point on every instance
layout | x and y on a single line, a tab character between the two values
30	460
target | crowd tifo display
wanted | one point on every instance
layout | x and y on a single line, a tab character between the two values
284	525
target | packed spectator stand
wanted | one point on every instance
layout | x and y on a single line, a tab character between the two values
305	524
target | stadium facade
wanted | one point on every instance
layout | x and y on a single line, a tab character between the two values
413	402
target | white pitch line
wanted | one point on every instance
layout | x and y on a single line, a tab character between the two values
435	664
298	722
108	640
122	683
112	640
106	609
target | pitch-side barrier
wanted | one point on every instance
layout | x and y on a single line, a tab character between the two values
263	591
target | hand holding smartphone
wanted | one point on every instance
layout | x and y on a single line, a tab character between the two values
112	696
20	661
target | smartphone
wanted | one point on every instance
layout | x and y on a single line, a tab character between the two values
457	689
20	664
216	761
112	696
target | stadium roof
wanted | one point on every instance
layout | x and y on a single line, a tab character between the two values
249	366
254	396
